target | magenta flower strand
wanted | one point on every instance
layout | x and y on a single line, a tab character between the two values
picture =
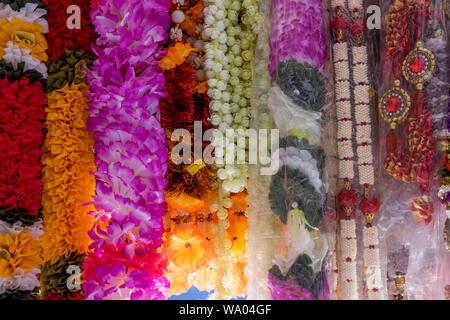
131	151
297	33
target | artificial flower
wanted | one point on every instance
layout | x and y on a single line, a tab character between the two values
16	55
285	43
22	107
184	203
20	281
17	5
176	55
17	227
68	162
125	271
185	248
69	69
25	35
54	276
30	12
125	261
18	251
13	74
285	290
303	83
20	295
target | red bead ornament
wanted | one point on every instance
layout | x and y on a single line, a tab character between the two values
370	205
347	198
338	23
393	104
417	64
357	27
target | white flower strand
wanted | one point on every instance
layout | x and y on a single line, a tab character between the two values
16	228
372	270
348	249
228	55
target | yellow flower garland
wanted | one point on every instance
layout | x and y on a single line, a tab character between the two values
68	161
25	35
19	250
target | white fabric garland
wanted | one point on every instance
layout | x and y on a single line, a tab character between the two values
16	228
30	13
23	281
15	55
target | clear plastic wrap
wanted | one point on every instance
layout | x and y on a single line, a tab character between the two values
412	90
288	244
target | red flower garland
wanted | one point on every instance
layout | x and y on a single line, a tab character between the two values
60	36
21	137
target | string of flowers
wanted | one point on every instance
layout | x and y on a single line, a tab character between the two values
125	261
229	27
190	227
68	159
298	189
22	80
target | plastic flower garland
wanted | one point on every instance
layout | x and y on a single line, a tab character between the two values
22	71
228	67
131	150
298	191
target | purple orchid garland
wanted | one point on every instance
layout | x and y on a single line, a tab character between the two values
131	151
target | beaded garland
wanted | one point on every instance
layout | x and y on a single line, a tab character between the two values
354	118
369	207
229	28
347	262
